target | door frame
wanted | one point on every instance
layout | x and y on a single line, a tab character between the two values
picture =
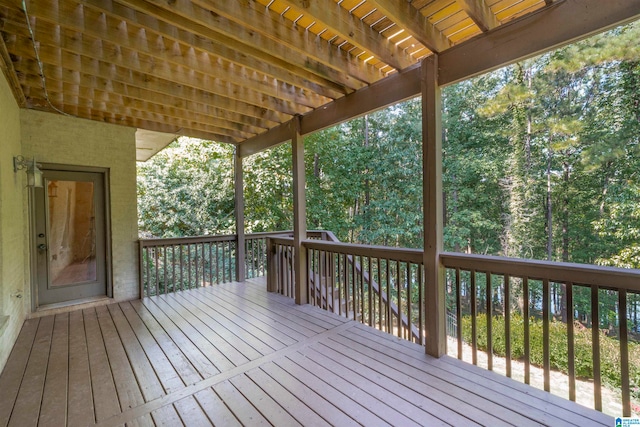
33	251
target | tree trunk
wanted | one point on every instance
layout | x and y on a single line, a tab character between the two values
549	213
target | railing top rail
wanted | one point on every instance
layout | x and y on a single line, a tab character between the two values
186	240
579	274
263	234
282	240
385	252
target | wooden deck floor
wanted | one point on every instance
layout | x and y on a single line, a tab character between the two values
234	354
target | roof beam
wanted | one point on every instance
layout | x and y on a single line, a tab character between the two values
338	20
408	17
563	23
480	13
397	87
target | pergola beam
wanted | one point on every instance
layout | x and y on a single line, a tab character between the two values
416	24
562	23
338	20
480	13
397	87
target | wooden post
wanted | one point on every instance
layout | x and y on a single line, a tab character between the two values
239	214
432	208
271	267
299	214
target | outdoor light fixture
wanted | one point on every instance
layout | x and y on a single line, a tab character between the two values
34	174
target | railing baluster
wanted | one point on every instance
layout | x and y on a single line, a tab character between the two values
571	363
181	268
527	343
409	304
420	304
474	314
379	293
155	253
489	303
388	313
507	323
399	291
224	263
595	339
370	291
624	352
545	334
148	267
458	313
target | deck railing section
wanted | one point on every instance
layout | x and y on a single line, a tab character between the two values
280	257
168	265
379	286
523	306
174	264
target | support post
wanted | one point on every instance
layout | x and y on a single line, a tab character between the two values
239	214
272	285
432	207
299	213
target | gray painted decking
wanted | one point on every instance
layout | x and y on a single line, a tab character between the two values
235	354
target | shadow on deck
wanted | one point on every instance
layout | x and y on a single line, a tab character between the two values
234	354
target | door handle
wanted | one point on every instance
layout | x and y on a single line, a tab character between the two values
42	247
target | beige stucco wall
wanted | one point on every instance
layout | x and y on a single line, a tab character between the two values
13	267
54	138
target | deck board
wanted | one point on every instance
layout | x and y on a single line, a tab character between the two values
234	354
53	410
13	372
80	409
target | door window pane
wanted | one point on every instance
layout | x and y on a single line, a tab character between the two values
72	232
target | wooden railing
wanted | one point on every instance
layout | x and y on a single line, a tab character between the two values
174	264
495	292
379	286
384	287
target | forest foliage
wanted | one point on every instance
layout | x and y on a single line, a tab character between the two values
541	159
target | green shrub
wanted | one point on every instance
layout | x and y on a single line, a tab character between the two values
610	363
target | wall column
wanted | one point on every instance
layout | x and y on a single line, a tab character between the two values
239	214
432	207
299	213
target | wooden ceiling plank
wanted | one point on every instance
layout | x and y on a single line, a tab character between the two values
416	24
480	13
251	24
85	46
99	26
152	94
113	73
330	14
126	59
196	20
60	97
92	114
550	28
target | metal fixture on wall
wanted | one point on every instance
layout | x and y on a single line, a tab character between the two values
34	174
